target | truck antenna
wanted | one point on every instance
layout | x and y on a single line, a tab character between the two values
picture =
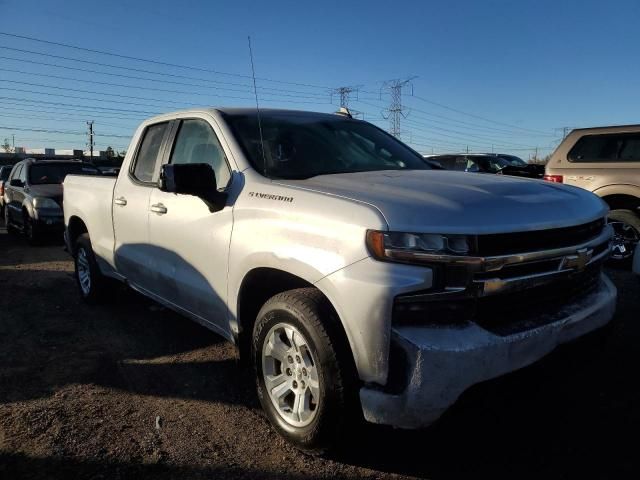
255	91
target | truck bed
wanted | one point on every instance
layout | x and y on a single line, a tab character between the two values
91	199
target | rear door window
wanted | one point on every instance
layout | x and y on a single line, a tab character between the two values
623	147
147	157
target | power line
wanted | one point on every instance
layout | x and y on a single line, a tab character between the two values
476	116
470	135
463	124
162	102
37	102
143	87
232	74
65	107
483	138
61	132
149	72
156	62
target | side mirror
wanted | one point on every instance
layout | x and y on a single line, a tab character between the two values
197	179
16	182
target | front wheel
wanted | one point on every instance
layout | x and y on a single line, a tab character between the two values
91	283
30	230
626	234
303	370
7	221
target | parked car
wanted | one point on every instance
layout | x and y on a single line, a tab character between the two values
5	170
605	161
358	280
498	163
33	195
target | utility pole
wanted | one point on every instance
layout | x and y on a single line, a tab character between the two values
13	141
396	110
90	133
344	93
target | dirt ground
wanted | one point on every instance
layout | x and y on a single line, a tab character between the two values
130	390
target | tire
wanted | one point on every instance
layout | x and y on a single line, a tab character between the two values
11	230
30	230
626	226
301	329
92	284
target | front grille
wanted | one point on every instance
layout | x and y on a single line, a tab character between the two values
511	313
503	314
507	243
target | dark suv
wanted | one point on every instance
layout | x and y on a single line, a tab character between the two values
33	195
498	163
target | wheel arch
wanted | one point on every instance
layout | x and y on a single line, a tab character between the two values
75	228
258	286
27	208
625	197
622	201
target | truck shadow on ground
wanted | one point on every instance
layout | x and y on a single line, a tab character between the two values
52	339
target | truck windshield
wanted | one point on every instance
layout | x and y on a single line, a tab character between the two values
56	172
298	145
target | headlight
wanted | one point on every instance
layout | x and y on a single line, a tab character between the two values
43	202
415	247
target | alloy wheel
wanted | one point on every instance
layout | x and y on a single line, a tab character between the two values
290	374
625	239
84	274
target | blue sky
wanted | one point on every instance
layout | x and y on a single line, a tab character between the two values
501	74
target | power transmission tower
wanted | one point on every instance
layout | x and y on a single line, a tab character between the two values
90	133
345	93
565	131
396	110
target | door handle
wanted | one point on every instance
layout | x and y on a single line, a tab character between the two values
120	201
159	208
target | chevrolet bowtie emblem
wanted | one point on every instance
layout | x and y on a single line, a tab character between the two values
578	261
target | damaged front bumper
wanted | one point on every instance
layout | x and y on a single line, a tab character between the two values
441	362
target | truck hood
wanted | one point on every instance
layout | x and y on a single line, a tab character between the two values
440	201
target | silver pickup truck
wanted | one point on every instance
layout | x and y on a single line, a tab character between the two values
359	281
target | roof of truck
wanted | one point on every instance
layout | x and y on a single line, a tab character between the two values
252	111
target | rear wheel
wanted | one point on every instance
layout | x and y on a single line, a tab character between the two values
626	228
91	283
304	374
